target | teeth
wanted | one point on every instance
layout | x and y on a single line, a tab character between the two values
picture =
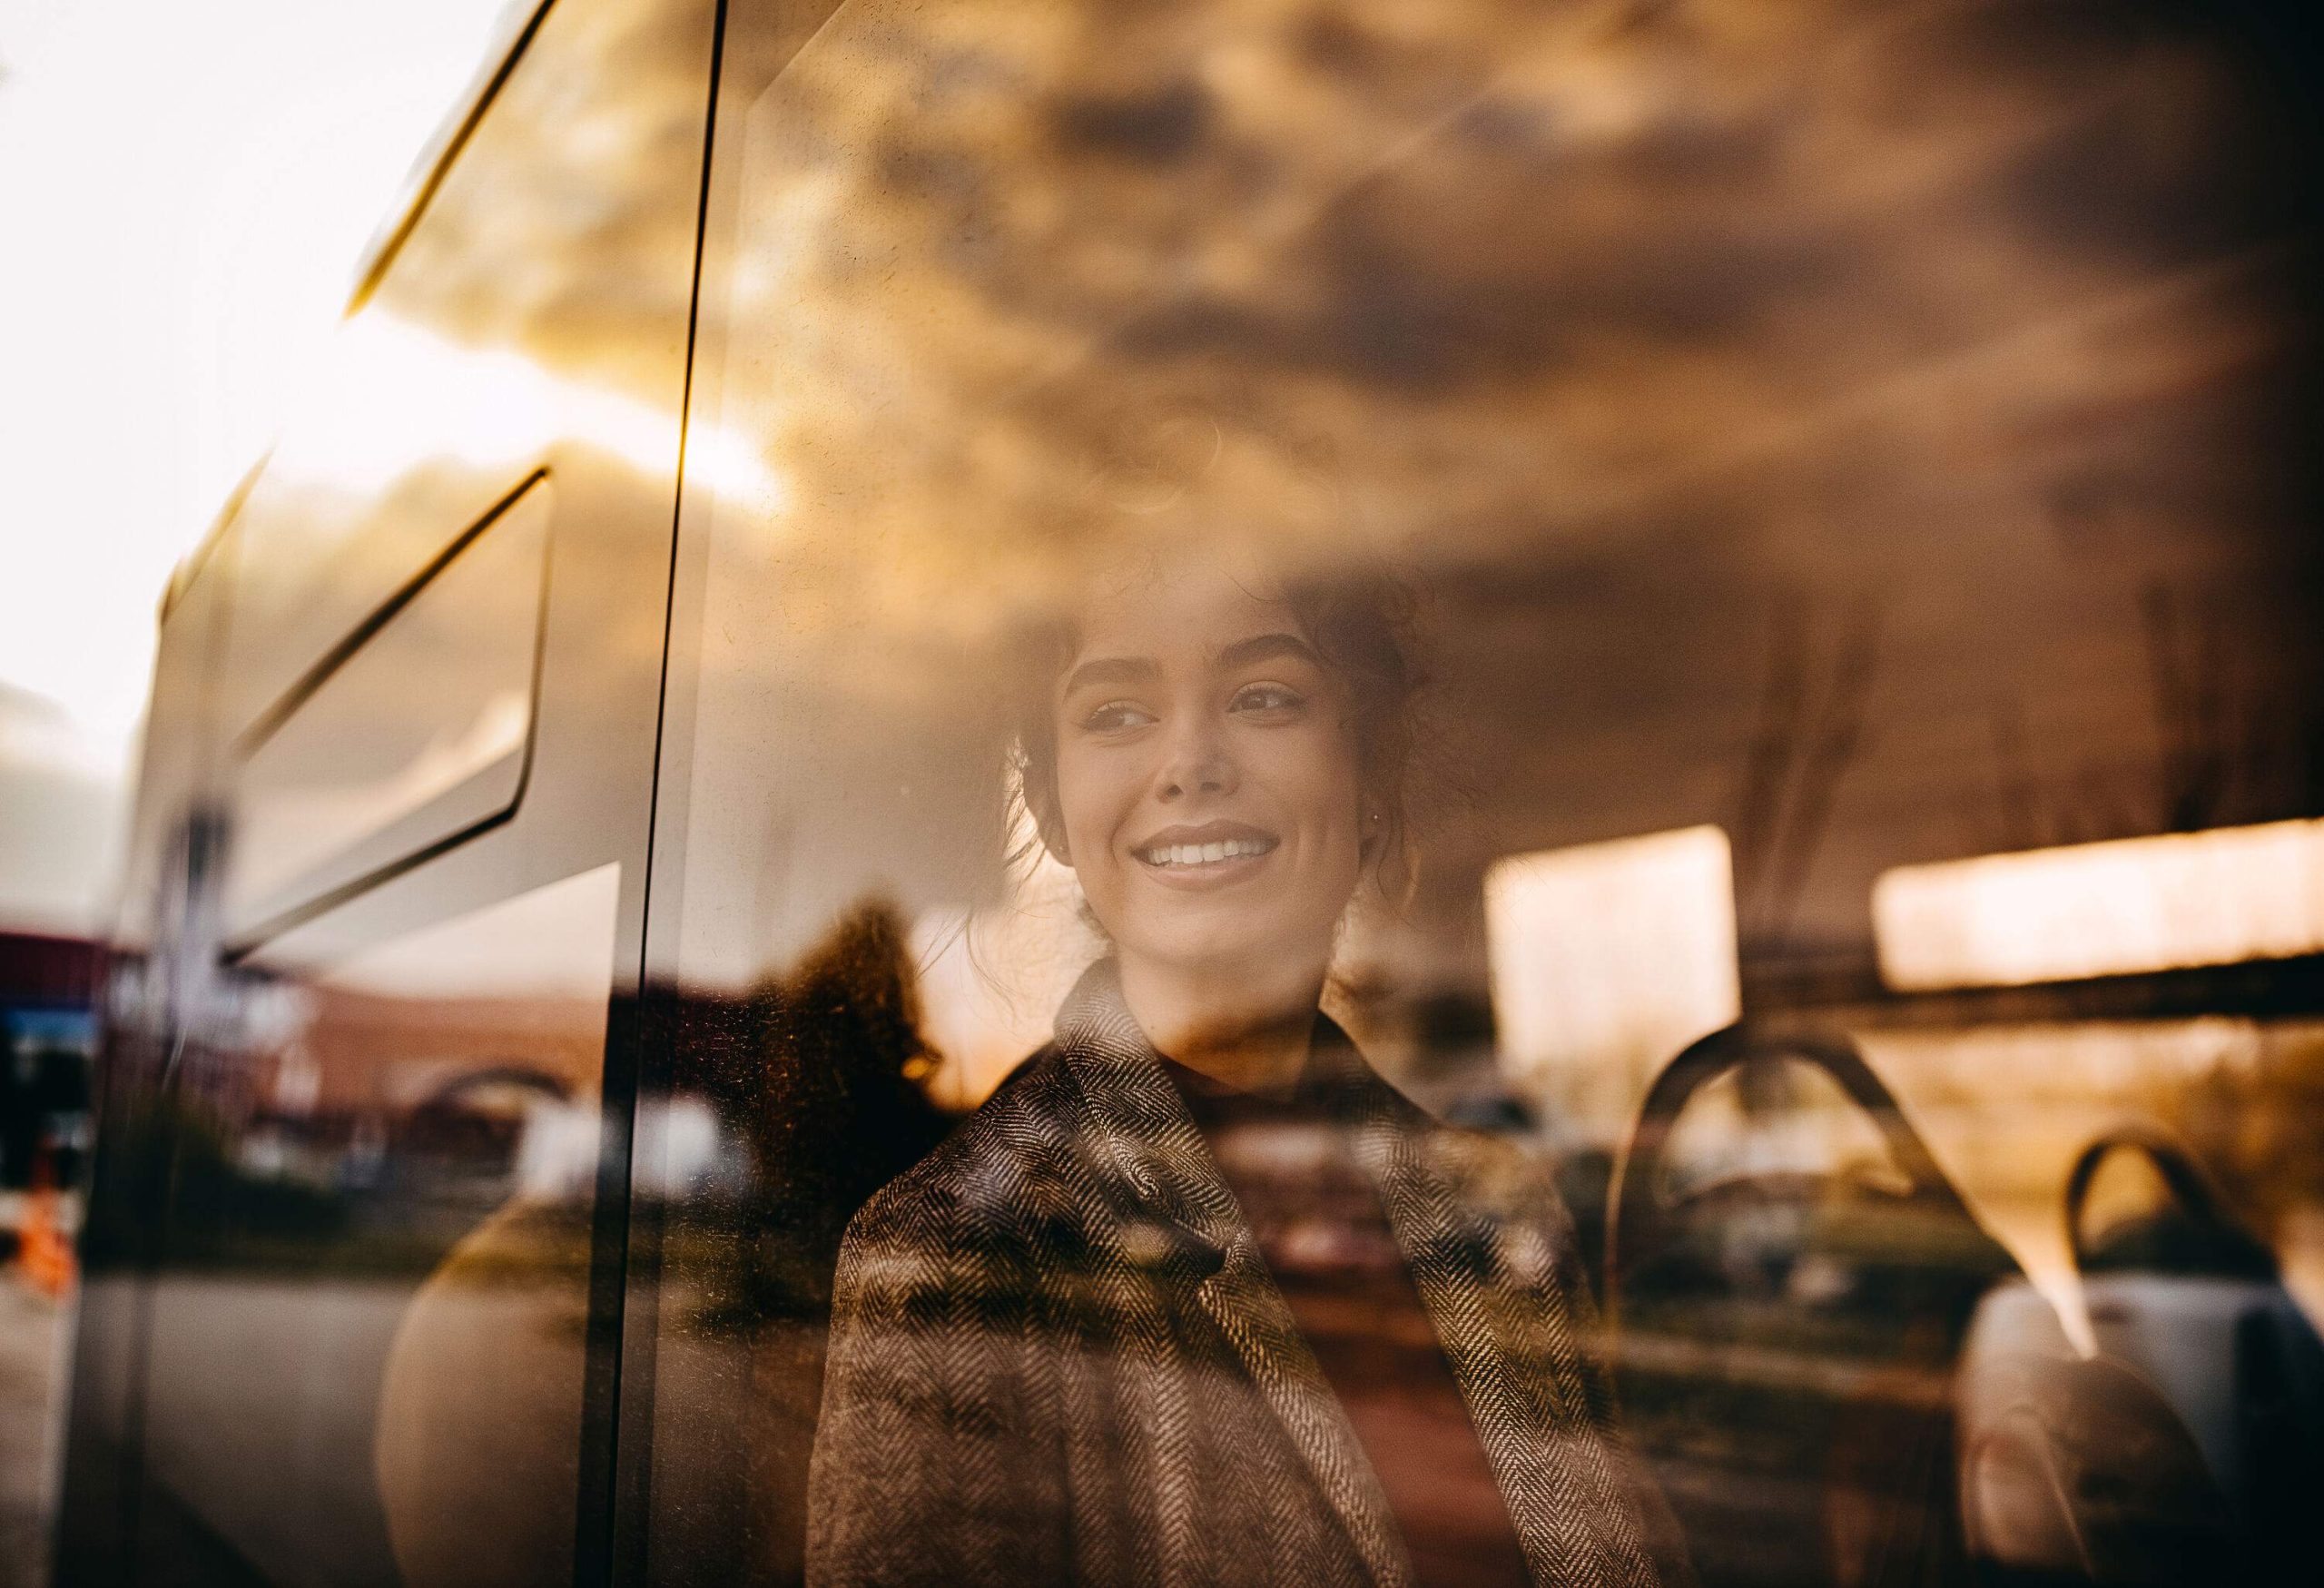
1205	853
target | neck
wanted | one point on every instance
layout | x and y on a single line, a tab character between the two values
1237	1031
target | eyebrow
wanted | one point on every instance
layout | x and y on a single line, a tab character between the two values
1266	647
1242	653
1110	670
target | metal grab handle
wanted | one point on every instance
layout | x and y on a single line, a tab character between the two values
1632	1205
2189	1187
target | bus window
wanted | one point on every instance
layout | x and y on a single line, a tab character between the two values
1498	533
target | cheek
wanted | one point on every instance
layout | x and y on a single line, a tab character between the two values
1318	775
1094	792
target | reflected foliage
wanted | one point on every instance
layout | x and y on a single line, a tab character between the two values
814	1078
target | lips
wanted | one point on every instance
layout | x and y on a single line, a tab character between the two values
1217	845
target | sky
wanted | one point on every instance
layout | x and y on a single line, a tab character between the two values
185	194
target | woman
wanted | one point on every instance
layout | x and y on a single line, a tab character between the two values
1096	1336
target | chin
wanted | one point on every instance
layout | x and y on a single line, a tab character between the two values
1218	960
1252	955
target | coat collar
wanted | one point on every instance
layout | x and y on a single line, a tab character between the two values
1489	1284
1145	1134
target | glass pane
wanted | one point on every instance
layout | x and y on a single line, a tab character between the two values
1560	545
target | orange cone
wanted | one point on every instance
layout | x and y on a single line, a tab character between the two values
45	1254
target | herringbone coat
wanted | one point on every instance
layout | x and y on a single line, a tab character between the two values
1057	1355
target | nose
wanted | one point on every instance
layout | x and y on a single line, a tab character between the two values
1197	763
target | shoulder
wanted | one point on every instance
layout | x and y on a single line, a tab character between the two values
1507	1181
982	1180
1493	1170
1490	1165
1501	1172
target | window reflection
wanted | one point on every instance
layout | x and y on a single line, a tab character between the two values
378	1246
1607	959
2210	898
1822	448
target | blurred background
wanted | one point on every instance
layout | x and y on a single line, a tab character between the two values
184	192
1860	454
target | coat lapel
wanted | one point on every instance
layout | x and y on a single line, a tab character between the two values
1149	1140
1482	1256
1489	1279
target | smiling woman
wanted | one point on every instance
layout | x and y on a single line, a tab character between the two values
1200	766
1219	747
1217	750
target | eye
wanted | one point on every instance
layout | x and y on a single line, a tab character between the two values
1115	716
1266	700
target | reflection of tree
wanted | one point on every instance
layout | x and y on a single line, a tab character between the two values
2226	751
815	1074
1810	726
2206	720
833	1108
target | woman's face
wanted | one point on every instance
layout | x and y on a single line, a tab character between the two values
1207	779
